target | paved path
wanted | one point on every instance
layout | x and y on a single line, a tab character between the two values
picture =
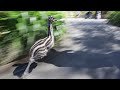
91	50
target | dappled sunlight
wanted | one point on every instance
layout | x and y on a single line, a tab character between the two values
97	39
107	72
117	35
97	33
97	54
116	47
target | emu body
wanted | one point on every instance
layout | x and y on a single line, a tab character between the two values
41	47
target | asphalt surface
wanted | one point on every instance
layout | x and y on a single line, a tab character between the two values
90	50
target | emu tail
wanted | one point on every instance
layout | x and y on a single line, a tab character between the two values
26	72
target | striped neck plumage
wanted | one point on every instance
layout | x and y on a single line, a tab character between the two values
50	29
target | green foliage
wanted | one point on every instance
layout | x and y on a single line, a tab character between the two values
20	29
114	18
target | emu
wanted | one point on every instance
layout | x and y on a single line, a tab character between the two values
41	47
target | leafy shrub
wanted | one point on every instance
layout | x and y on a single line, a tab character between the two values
114	18
23	28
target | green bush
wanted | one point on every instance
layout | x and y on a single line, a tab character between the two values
114	18
20	29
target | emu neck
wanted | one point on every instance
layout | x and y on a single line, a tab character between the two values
50	29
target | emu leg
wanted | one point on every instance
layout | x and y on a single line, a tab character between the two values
27	69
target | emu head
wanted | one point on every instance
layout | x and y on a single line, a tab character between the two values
51	19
